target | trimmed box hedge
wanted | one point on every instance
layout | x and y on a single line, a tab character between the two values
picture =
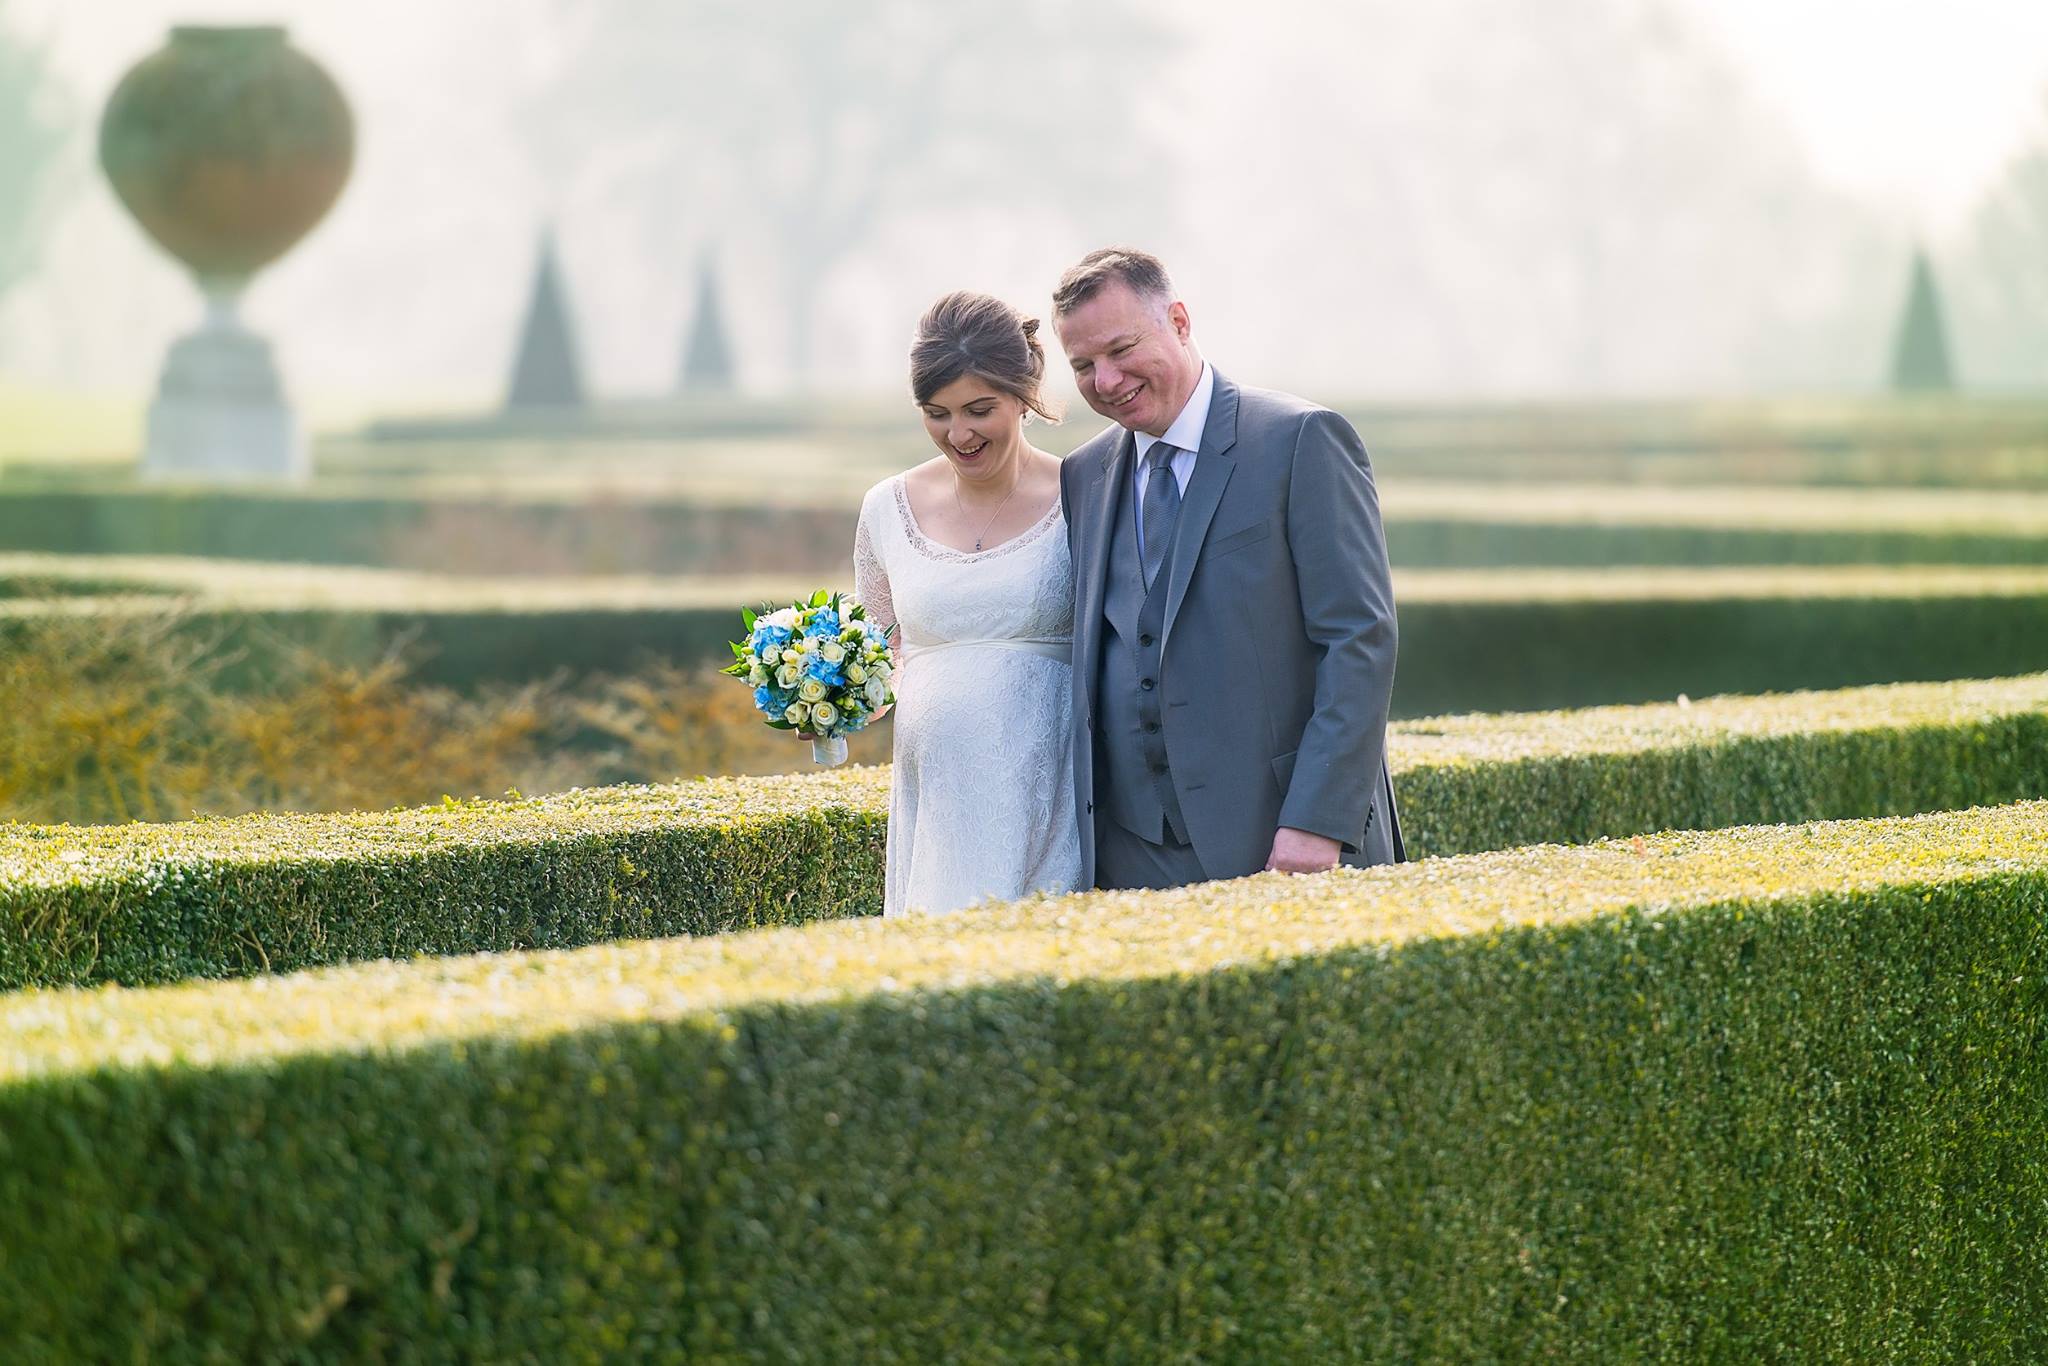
657	529
222	898
1477	641
267	893
459	631
592	533
1470	640
1469	783
1776	1093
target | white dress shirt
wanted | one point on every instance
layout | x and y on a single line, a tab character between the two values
1186	433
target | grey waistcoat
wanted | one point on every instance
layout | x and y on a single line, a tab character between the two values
1133	782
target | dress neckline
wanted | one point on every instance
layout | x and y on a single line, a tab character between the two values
939	550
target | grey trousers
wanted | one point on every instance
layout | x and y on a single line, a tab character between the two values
1124	860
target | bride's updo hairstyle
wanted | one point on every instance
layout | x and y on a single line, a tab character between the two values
975	334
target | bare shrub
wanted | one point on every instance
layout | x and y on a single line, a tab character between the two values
109	717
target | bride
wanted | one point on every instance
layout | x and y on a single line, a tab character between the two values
965	556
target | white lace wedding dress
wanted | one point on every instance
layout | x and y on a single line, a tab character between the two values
982	804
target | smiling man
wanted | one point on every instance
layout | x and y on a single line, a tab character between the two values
1234	620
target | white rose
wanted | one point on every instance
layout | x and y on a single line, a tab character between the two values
856	674
876	692
811	691
882	669
756	676
792	655
785	677
783	617
833	651
824	716
796	713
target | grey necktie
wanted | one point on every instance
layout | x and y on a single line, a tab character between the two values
1161	509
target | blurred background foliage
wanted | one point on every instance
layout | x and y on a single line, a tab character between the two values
1621	289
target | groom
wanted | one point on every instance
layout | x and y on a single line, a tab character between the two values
1233	623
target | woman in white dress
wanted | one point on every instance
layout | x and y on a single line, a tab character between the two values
965	556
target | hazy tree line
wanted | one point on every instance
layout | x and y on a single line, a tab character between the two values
31	134
789	135
1582	196
2002	274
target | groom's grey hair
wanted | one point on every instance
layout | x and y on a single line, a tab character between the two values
1141	272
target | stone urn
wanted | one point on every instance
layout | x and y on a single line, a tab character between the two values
228	145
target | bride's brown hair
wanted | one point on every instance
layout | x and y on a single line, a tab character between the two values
976	334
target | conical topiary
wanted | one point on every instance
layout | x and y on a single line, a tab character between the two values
707	354
546	373
1920	361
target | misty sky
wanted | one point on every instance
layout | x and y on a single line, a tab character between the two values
1898	113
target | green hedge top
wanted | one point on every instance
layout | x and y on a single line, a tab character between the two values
145	903
1716	583
1722	507
1480	738
40	855
1096	937
59	855
260	585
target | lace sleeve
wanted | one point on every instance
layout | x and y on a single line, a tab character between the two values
870	581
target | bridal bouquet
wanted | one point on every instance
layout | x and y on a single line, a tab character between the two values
819	666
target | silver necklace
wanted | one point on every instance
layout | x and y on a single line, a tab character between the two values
993	515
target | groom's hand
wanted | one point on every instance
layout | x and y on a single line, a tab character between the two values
1297	851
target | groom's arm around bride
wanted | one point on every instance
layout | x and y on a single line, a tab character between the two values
1234	631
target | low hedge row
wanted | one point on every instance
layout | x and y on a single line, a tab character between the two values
1491	642
1436	523
1776	1093
591	534
275	892
662	532
1470	641
1469	783
221	898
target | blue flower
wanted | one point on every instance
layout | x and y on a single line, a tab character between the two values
768	640
823	622
818	667
764	699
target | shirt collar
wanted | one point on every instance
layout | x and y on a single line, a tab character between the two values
1186	431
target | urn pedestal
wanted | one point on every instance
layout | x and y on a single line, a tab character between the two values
228	145
220	408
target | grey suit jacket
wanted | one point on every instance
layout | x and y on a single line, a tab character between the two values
1279	636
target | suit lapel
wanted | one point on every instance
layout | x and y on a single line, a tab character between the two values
1213	468
1094	575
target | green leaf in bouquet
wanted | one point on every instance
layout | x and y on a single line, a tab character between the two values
747	615
820	598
